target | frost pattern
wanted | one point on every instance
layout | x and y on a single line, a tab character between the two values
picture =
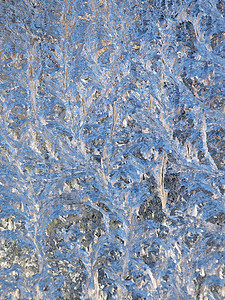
112	149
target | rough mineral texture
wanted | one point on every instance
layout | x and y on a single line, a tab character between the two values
112	149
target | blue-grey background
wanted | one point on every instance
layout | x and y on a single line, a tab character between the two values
112	143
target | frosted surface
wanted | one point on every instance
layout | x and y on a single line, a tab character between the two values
112	149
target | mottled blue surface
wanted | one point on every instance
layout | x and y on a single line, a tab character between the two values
112	149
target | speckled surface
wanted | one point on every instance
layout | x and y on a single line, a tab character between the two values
112	149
